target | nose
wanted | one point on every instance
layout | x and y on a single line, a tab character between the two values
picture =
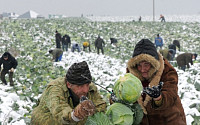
143	68
85	88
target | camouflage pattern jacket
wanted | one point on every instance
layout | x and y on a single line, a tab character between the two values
56	105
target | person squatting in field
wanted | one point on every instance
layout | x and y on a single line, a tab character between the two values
184	59
57	54
9	65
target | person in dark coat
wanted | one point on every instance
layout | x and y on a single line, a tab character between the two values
58	39
99	42
9	65
57	54
184	59
177	43
64	43
68	41
172	46
113	41
160	101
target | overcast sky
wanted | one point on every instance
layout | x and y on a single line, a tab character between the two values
102	7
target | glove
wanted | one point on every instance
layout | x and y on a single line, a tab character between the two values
12	70
82	110
155	91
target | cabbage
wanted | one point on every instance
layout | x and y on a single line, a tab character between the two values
98	118
128	88
120	114
138	113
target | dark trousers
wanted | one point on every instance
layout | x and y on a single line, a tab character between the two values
101	50
86	47
58	44
3	74
65	47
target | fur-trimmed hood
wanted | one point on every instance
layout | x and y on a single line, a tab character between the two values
146	51
155	73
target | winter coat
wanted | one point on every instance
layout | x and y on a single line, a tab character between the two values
99	43
172	46
8	64
58	40
86	44
64	40
68	39
184	59
113	40
56	105
170	112
158	41
57	53
165	54
75	46
177	43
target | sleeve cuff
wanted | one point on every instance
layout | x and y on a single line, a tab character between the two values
158	102
74	118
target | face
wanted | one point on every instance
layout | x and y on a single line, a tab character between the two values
79	90
143	68
5	58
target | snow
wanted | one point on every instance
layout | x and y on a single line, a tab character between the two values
168	18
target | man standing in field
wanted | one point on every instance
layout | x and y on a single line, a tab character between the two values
58	39
158	41
99	42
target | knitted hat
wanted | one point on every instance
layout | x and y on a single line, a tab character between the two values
145	46
79	74
6	54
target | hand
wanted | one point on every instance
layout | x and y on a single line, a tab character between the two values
84	109
11	70
155	91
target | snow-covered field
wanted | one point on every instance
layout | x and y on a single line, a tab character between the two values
168	18
99	64
33	38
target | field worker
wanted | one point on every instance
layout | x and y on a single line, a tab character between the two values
68	41
9	65
184	59
158	41
172	46
113	41
75	46
162	18
57	54
69	100
160	101
99	42
167	53
86	44
58	39
177	43
64	43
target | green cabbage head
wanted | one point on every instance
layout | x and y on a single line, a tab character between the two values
128	88
120	114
